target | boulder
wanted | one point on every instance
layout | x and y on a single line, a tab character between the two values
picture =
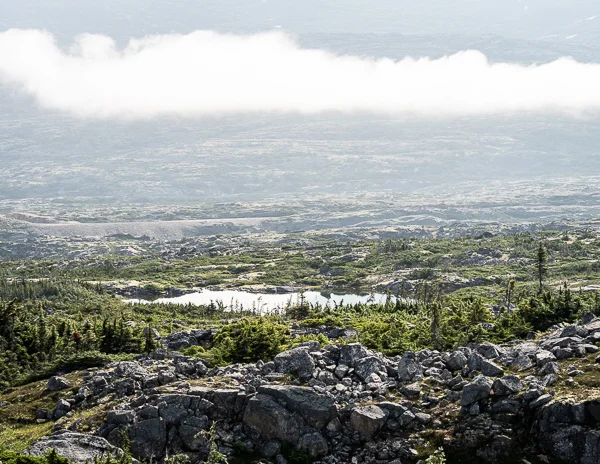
368	420
314	443
317	410
491	369
543	357
351	353
367	366
131	370
550	368
57	383
522	362
474	362
508	385
120	417
272	420
565	444
562	342
190	432
542	400
479	389
411	391
456	361
591	449
76	447
148	439
61	409
296	361
345	333
408	368
489	350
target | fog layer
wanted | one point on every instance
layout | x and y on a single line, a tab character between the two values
210	73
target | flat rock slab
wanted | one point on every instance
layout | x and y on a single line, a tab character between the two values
76	447
317	410
368	420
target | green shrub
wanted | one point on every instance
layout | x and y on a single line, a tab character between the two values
194	351
250	340
11	457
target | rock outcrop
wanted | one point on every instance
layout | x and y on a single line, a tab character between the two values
345	403
77	447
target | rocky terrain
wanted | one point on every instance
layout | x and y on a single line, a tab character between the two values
530	401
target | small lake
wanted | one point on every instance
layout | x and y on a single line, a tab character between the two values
235	300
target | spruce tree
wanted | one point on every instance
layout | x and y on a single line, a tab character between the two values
541	265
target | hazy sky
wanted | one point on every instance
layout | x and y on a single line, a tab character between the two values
122	19
210	73
138	59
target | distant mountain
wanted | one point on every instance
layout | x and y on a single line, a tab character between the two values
497	48
563	21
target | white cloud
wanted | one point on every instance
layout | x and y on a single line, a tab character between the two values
209	73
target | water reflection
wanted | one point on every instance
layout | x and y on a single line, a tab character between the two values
235	300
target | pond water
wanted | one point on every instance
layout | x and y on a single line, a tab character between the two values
235	300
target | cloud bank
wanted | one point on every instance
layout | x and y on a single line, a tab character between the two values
209	73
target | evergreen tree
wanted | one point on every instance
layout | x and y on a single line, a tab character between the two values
541	265
436	322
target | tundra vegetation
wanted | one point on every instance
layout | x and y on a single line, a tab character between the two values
66	316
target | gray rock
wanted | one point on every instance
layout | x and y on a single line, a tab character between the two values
57	383
368	420
565	444
334	428
563	353
76	447
131	370
590	348
479	389
550	380
61	409
411	391
508	385
423	418
456	361
408	368
345	333
166	376
270	448
574	331
394	410
351	353
490	369
120	417
591	447
317	410
550	368
532	394
474	362
190	432
296	361
506	405
148	439
314	443
272	420
474	409
489	350
327	378
542	400
365	367
406	418
543	357
340	371
522	362
562	342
